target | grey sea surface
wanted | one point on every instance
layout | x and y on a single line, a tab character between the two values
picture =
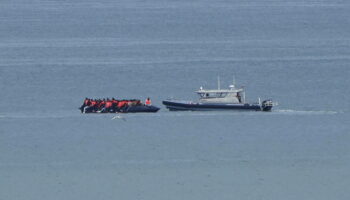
53	54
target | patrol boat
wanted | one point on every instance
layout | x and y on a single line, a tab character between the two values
219	99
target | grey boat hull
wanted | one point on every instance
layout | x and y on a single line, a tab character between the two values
173	105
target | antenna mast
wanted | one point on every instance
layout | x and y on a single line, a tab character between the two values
234	80
218	82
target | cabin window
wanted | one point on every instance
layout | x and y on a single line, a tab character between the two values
203	95
213	95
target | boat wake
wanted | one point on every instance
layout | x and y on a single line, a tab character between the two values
240	113
306	112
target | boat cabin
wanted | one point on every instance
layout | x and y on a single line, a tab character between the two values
233	95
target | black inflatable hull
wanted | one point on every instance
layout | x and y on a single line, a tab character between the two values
135	109
127	109
182	106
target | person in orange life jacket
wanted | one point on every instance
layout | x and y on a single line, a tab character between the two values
114	100
85	103
94	104
114	104
108	106
97	105
122	103
102	104
108	103
148	102
88	105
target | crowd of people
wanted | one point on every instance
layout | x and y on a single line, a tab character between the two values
113	105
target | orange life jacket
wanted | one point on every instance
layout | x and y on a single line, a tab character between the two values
108	104
121	103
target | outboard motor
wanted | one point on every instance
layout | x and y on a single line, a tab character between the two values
267	105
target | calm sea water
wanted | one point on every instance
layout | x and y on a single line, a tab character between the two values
53	54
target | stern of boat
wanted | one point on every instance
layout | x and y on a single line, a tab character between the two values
267	105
